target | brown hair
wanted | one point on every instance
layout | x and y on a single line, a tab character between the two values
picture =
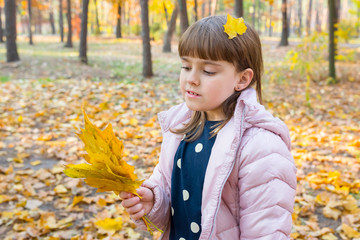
206	39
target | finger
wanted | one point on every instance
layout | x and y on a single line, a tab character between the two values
145	193
135	209
125	195
129	202
138	215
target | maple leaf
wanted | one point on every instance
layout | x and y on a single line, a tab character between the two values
234	26
106	171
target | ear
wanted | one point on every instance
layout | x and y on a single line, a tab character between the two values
244	79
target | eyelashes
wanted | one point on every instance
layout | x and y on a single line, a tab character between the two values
204	71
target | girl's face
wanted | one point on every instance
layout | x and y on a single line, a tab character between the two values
206	84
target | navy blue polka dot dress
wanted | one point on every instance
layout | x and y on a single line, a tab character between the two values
190	163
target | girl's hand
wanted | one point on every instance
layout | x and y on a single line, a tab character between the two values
135	206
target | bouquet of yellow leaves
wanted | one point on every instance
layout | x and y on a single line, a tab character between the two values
106	171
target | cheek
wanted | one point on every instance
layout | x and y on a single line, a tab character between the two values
182	85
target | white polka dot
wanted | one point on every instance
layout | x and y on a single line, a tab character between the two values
178	163
172	211
186	195
198	147
182	239
194	227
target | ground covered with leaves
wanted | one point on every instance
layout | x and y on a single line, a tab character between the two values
40	112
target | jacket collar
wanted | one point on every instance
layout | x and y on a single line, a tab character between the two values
255	115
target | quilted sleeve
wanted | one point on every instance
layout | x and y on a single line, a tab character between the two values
159	215
267	185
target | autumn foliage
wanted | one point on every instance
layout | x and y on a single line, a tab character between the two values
106	171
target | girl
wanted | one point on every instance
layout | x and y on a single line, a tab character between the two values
225	169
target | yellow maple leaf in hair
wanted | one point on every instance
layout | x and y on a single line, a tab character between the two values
234	26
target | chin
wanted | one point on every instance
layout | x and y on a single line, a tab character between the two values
193	108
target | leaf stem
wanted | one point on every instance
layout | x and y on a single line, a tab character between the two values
148	223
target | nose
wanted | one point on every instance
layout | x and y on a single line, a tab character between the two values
193	77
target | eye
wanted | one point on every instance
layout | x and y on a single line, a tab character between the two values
185	68
209	73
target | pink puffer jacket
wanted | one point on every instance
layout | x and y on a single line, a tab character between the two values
250	180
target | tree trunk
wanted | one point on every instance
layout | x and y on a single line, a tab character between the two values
145	32
332	22
171	30
239	8
285	31
317	17
254	13
166	13
1	29
184	22
358	17
97	29
289	19
213	7
118	22
270	25
10	26
195	10
39	20
51	19
299	18
209	7
203	10
128	18
29	23
83	35
308	19
68	17
61	21
258	16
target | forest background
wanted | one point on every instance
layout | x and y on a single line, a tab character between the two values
119	60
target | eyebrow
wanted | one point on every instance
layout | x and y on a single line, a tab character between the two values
207	62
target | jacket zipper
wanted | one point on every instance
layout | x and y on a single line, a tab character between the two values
227	176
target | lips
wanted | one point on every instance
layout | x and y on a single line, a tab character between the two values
192	93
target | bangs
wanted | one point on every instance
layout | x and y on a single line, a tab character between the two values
207	41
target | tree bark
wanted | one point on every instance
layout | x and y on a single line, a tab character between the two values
1	29
299	18
258	16
29	23
10	26
213	7
83	35
270	26
145	32
51	19
332	22
118	22
184	22
61	21
68	17
171	30
97	29
203	10
254	13
166	13
39	20
239	8
284	32
308	19
289	10
317	17
196	10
